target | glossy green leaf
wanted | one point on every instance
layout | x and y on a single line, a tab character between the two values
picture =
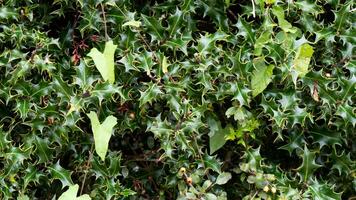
308	166
149	94
321	191
42	149
210	162
58	172
154	27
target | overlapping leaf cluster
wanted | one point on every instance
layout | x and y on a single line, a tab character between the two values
213	99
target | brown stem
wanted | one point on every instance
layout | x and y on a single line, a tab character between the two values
87	167
104	19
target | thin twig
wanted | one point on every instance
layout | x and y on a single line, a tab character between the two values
154	57
87	167
104	19
233	15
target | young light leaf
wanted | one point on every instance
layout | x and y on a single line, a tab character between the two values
23	197
133	23
102	133
269	1
301	62
302	59
223	178
164	65
71	194
284	24
104	62
217	135
262	76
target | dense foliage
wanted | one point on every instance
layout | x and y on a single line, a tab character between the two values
205	99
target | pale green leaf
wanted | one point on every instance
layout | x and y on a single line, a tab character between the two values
210	196
261	41
102	132
132	23
23	197
104	62
269	1
164	65
302	60
262	76
71	194
284	24
223	178
217	135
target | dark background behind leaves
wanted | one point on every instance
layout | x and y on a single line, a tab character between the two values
296	138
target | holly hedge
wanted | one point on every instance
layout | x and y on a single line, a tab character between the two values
204	99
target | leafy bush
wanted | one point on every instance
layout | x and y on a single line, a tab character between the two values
205	99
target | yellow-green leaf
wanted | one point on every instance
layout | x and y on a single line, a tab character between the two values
284	24
270	1
262	76
102	133
164	65
71	194
104	62
132	23
302	59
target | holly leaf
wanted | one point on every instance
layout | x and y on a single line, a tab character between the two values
261	41
245	30
262	76
308	166
23	107
210	162
253	159
284	24
43	151
154	27
84	77
301	61
175	21
149	94
217	135
342	163
58	172
71	194
322	191
104	62
102	133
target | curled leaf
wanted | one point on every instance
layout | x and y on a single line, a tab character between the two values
132	23
164	65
